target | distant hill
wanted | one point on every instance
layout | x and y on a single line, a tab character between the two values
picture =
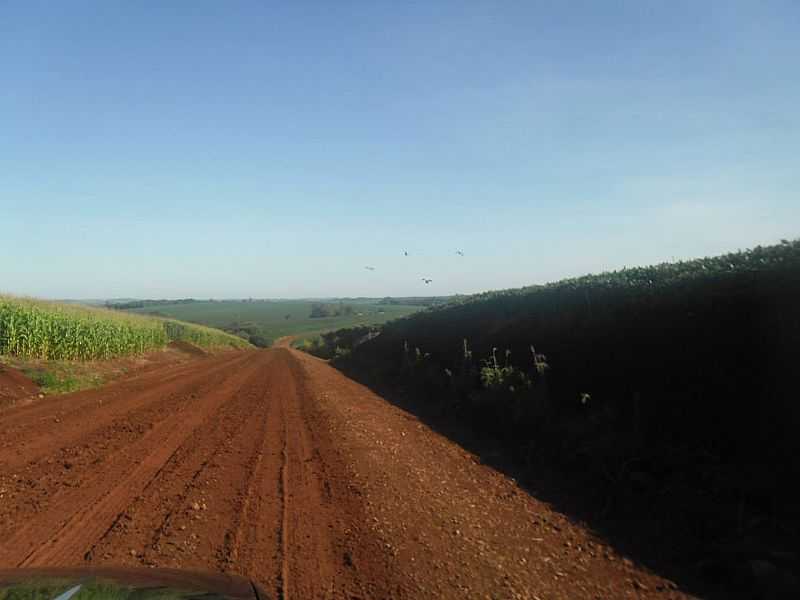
128	304
263	321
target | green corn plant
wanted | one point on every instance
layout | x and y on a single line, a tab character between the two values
35	329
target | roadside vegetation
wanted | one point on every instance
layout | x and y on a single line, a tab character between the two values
669	390
65	376
200	335
62	378
336	344
36	329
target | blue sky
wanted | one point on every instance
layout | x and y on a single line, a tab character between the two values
225	149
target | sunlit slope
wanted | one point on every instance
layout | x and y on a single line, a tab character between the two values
39	329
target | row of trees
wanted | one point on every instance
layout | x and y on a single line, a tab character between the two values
320	310
250	332
133	304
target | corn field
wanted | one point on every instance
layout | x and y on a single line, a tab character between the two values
200	335
52	331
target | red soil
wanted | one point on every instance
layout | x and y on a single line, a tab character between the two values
273	465
15	386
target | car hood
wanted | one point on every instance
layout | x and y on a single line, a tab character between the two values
123	584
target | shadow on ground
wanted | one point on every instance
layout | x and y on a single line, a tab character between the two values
742	567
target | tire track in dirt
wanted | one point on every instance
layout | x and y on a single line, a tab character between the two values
253	540
263	529
90	521
211	467
70	461
64	418
306	537
246	513
151	526
258	474
179	477
83	513
77	404
284	495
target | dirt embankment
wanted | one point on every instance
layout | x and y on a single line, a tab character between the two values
15	386
272	465
187	348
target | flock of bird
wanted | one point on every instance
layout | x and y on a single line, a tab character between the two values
427	280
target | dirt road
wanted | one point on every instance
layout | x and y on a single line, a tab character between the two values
273	465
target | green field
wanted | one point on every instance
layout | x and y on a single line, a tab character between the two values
272	319
37	329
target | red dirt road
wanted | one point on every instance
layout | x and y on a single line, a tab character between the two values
273	465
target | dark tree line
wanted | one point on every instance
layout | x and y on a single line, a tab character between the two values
320	310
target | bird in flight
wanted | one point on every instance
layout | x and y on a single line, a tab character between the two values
370	268
460	252
427	281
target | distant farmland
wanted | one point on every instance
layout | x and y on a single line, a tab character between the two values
264	321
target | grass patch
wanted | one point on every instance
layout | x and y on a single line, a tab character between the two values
61	378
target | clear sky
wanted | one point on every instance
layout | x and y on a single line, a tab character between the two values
275	149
